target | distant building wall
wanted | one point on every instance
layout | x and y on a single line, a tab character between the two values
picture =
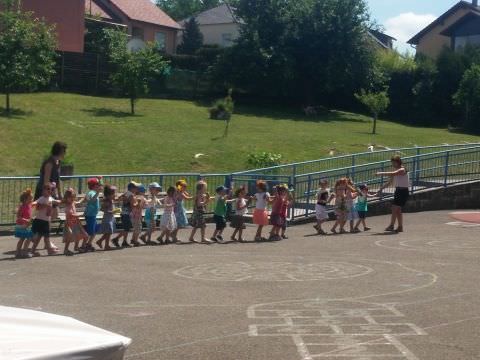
432	43
68	16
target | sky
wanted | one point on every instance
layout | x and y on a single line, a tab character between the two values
402	19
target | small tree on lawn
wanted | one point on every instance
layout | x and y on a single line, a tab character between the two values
468	96
376	102
27	51
133	69
192	38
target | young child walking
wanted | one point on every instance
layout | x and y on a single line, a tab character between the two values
137	213
291	200
181	196
350	196
260	215
323	199
23	229
362	207
220	213
91	211
73	231
41	223
202	199
340	206
152	205
168	223
278	217
108	220
241	209
128	200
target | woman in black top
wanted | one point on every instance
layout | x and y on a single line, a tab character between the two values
50	171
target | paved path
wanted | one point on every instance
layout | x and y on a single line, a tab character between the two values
370	296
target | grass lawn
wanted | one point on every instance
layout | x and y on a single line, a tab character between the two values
166	134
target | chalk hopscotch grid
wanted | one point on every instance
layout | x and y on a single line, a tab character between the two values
338	329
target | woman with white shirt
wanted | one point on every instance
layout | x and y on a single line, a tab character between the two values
399	179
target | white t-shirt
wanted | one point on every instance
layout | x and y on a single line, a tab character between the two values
241	203
401	181
261	200
44	213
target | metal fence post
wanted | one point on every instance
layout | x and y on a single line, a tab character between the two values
447	157
309	189
80	185
417	166
353	169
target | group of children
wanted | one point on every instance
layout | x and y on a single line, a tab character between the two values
136	208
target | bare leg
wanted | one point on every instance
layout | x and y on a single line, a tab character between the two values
240	234
20	242
258	235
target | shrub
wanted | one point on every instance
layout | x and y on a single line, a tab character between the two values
222	109
468	97
263	159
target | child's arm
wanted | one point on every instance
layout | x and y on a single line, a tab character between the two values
401	171
57	202
186	196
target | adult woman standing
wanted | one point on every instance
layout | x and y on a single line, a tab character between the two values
398	179
50	171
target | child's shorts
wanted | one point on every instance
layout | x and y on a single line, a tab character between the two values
352	215
238	222
41	227
260	217
23	232
277	220
321	212
76	232
126	222
220	222
91	225
362	214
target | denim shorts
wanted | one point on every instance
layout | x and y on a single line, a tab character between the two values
91	225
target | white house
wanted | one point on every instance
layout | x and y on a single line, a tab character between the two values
219	25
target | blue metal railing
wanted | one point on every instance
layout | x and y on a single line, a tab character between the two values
428	168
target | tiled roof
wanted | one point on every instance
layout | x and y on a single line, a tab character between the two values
92	8
223	14
146	11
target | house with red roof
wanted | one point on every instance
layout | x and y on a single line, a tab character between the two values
145	22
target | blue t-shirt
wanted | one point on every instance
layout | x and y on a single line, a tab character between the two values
93	204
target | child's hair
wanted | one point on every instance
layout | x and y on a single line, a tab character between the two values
69	193
363	187
282	188
92	183
323	181
239	190
201	185
339	182
49	186
397	159
132	185
26	194
221	188
171	191
180	183
109	190
262	185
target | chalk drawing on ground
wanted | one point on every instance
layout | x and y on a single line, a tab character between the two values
336	329
273	271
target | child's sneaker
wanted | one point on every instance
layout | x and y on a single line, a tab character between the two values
219	238
116	243
284	237
366	229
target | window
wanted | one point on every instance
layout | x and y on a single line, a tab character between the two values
227	40
138	33
161	40
462	41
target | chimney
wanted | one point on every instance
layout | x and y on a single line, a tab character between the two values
475	3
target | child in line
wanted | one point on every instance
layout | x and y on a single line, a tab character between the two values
291	200
23	229
350	196
220	213
108	220
73	231
91	211
323	199
278	216
168	223
152	205
260	215
340	206
362	207
241	209
181	196
202	199
41	223
128	200
137	213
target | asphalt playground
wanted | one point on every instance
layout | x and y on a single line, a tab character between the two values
373	295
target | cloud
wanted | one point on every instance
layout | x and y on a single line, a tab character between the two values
406	25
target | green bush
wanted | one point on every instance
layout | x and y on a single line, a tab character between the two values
263	159
222	109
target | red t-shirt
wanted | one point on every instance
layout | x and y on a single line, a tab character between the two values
24	213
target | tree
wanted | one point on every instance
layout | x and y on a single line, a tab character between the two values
181	9
376	102
27	51
302	49
133	69
468	96
192	38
